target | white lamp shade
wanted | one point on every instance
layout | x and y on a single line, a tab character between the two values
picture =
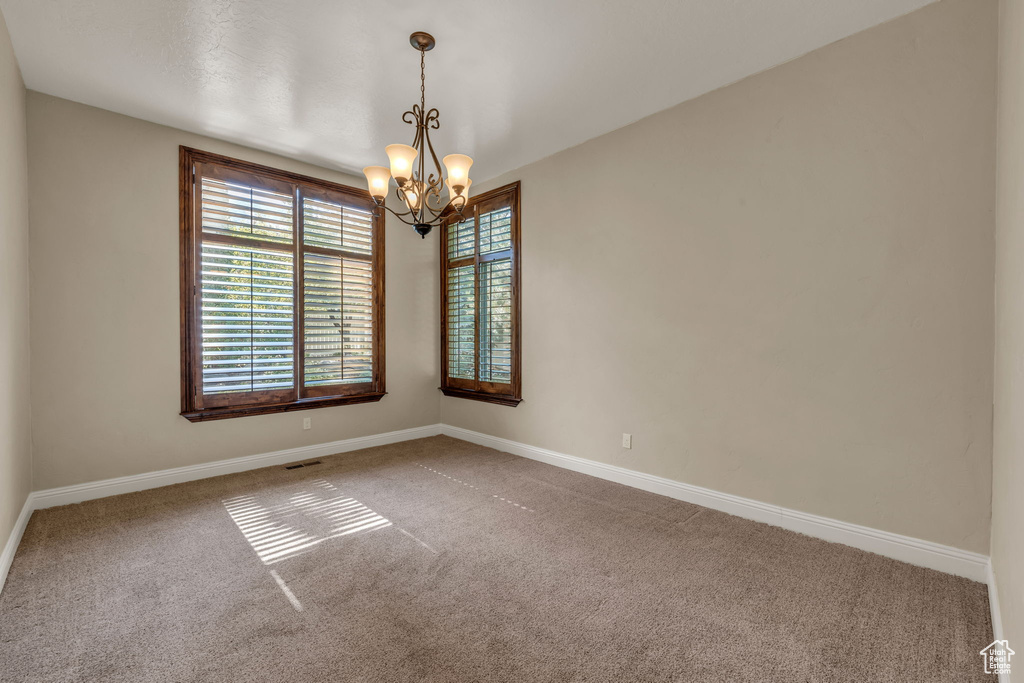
454	196
377	179
412	191
402	158
457	166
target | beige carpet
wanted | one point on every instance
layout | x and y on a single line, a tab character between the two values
438	560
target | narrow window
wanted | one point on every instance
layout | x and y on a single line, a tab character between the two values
282	294
480	299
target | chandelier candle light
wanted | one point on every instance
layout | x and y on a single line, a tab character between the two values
421	193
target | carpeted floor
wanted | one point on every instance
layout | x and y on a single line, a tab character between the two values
439	560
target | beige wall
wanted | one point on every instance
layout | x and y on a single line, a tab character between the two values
1008	447
15	433
104	206
782	289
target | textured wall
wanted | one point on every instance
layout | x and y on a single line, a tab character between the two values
105	334
782	289
1008	446
15	433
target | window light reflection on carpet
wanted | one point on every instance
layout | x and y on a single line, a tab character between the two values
278	532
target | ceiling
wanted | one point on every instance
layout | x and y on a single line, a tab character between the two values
327	81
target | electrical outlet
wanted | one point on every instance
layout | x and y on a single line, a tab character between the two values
307	422
627	440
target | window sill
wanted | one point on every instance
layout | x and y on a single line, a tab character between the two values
303	404
500	399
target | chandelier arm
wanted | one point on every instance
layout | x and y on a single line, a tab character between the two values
450	204
417	140
400	193
435	209
411	116
433	120
433	194
441	209
408	212
414	117
436	219
435	213
434	182
399	216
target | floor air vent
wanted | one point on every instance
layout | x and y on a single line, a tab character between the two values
302	464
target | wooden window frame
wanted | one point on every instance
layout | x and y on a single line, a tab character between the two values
490	392
194	407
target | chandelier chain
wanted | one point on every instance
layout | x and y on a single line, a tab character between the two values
423	81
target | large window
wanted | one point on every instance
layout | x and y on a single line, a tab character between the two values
282	291
480	300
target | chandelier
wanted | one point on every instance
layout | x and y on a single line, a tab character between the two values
421	193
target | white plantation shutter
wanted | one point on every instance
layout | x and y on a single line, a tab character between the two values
324	359
496	230
357	320
338	295
462	239
338	320
247	319
335	226
232	208
481	308
496	296
496	321
286	291
462	322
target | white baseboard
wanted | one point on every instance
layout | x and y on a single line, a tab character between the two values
993	605
7	557
67	495
904	548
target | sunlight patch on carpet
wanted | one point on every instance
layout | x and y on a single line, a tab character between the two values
280	530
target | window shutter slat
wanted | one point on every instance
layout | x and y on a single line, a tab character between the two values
335	226
240	211
357	325
338	320
322	319
461	322
247	319
461	239
496	231
495	320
